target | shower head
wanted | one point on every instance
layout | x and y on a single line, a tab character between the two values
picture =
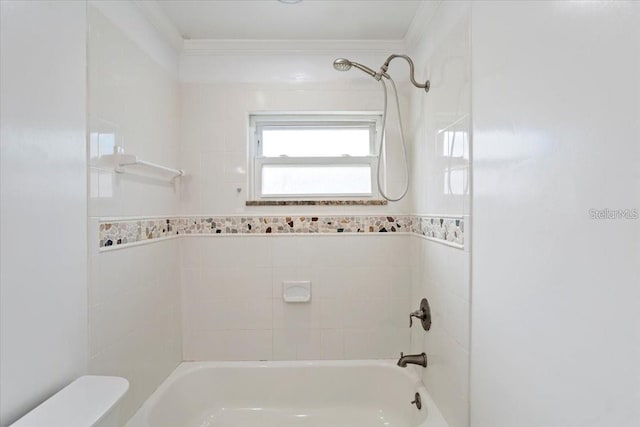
343	64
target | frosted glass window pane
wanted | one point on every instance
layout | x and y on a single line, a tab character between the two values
315	142
316	180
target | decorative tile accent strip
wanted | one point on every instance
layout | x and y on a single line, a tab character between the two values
118	233
447	229
294	224
316	203
123	232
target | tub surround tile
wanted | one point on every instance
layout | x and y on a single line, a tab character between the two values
297	344
344	296
332	344
126	232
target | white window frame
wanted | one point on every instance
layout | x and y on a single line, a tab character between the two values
260	121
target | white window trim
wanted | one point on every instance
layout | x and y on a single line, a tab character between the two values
257	121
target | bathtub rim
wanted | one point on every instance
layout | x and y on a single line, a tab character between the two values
434	416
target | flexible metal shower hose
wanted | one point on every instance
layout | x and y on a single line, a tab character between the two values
381	151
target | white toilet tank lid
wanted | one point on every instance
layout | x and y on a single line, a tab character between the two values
80	404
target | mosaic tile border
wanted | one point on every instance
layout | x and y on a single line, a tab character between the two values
118	233
450	230
115	233
294	224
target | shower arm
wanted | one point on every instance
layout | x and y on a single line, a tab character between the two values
383	70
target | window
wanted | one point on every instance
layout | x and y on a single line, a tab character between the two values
313	156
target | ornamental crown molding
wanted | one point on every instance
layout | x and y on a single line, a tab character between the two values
270	47
194	47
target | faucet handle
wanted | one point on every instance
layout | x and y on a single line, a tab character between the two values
423	313
420	314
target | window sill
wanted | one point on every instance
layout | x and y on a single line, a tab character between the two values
316	202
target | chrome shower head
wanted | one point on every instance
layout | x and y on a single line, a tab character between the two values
342	64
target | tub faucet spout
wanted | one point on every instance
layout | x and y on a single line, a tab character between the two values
412	359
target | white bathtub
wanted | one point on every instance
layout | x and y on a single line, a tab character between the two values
307	394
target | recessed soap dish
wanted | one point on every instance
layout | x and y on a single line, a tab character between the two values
296	291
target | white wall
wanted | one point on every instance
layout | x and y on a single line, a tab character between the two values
134	316
440	272
133	103
233	306
134	292
556	105
43	204
234	310
441	118
213	128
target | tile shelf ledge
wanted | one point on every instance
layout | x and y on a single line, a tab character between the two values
316	203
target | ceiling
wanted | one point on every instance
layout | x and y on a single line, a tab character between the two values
307	20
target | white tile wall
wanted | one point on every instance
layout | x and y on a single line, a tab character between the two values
135	316
213	128
133	102
234	310
232	285
254	66
439	272
137	27
444	56
134	293
232	306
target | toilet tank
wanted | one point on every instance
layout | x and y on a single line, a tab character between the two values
89	401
